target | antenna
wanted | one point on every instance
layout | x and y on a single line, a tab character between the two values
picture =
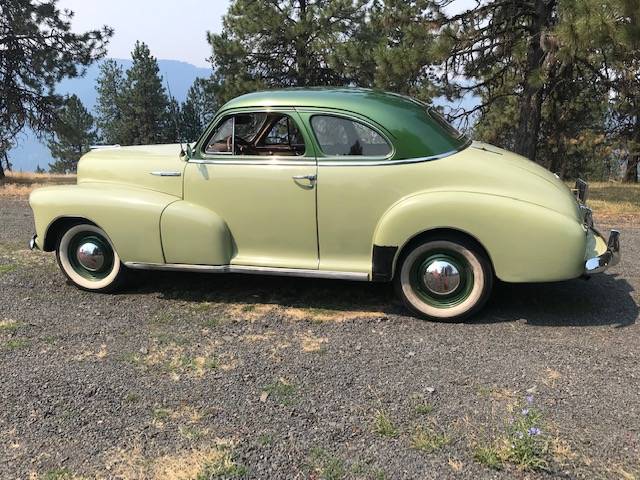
175	118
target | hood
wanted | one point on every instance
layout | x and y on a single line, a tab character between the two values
135	166
508	174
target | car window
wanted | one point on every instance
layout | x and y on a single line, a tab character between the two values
444	124
341	136
284	132
257	134
234	131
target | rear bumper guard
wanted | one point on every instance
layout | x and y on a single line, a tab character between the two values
32	243
608	259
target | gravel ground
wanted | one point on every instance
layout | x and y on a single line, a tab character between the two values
204	376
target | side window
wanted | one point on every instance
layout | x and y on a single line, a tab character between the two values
257	134
235	133
342	137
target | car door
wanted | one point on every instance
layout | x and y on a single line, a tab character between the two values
257	170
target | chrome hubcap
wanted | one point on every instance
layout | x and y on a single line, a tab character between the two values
441	277
90	256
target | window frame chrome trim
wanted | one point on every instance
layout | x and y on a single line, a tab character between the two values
233	112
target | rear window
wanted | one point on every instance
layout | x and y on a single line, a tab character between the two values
344	137
443	123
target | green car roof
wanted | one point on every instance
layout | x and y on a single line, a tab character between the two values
414	131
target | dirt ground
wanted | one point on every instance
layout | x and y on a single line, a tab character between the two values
212	376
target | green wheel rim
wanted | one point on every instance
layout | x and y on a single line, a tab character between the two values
449	300
90	237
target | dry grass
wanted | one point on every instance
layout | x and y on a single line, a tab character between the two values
200	463
19	184
615	200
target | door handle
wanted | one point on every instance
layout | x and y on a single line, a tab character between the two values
311	178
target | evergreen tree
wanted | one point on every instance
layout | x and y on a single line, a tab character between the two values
39	169
37	50
544	72
73	135
144	103
278	43
393	48
192	113
110	85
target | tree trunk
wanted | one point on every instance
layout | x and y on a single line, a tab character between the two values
631	174
3	157
302	60
530	113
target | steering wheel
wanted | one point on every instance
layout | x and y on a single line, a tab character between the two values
242	145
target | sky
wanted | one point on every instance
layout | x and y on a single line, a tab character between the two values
173	29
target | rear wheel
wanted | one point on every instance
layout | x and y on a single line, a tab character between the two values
87	258
445	279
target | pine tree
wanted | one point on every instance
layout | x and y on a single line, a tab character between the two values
37	50
110	86
393	48
73	135
278	43
39	169
543	72
192	114
144	102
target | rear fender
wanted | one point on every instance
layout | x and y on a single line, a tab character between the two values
195	235
525	242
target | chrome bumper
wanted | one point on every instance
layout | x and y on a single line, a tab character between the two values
32	243
608	259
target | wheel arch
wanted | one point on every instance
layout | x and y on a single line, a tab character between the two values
447	233
56	229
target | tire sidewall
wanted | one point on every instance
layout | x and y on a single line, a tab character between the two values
479	266
105	284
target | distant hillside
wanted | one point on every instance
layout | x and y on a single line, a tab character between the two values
30	152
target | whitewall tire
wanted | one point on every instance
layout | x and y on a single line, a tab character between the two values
444	278
86	256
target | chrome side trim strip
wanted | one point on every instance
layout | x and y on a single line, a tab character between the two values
325	163
290	272
281	161
368	163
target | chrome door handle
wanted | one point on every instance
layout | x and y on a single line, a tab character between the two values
311	178
166	174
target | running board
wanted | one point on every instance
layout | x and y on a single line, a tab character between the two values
287	272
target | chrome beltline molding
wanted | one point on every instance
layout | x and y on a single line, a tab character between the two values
269	161
324	163
290	272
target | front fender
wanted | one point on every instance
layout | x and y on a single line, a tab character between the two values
525	242
130	216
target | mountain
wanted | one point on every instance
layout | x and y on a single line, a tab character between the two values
30	152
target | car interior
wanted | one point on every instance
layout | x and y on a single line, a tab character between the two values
261	134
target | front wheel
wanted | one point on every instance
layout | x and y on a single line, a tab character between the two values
445	279
87	258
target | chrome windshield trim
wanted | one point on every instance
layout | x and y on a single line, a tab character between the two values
289	272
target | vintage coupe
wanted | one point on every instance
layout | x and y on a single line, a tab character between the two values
332	183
